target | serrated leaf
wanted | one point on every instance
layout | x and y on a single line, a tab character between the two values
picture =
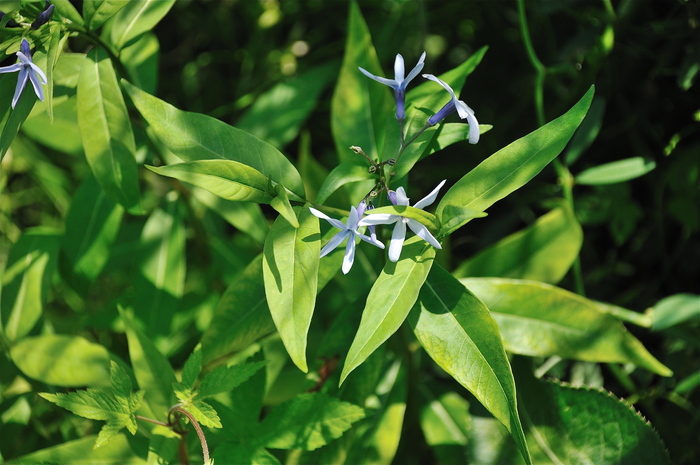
515	165
192	367
458	333
194	136
228	179
544	251
59	360
203	413
225	379
290	271
539	319
616	171
307	422
389	301
26	280
105	129
346	172
137	18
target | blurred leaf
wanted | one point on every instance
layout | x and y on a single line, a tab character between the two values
59	360
92	225
389	301
290	271
582	425
542	252
54	46
137	18
105	129
515	165
151	369
586	134
26	280
115	406
445	422
228	179
616	171
360	107
96	12
141	62
674	310
225	379
538	319
253	454
121	450
277	115
307	422
12	119
458	333
68	11
194	136
241	317
346	172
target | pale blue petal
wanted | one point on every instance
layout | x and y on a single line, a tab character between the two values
334	242
379	218
430	198
397	238
371	240
473	129
349	257
387	82
11	68
422	232
37	85
401	198
21	82
443	84
399	69
353	219
38	71
336	223
416	69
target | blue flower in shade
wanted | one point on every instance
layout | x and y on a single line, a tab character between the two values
399	234
27	71
399	83
462	109
349	231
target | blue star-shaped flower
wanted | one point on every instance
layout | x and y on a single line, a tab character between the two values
462	109
27	71
399	234
399	83
349	231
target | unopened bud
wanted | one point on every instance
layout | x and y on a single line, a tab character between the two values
43	17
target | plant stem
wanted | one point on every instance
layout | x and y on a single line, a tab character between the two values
198	429
151	420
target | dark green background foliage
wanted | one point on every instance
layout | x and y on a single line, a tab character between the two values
641	233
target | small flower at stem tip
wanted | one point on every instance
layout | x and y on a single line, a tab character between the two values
28	71
453	105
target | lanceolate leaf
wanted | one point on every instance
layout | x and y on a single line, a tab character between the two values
513	166
226	178
457	331
283	206
543	252
290	270
194	136
539	319
105	129
388	303
616	171
96	12
137	18
344	173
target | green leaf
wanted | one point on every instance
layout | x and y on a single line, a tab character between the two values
616	171
446	423
105	129
542	252
92	225
140	59
516	164
59	360
282	205
277	115
290	271
586	134
54	46
423	217
193	136
241	317
121	450
203	413
540	319
137	18
344	173
96	12
360	107
458	333
228	179
160	283
458	216
675	309
116	406
225	379
583	425
192	367
307	422
26	280
389	301
252	454
151	369
66	9
12	119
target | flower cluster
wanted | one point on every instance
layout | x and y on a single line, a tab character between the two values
27	71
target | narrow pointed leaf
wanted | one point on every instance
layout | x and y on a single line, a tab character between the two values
283	206
389	301
616	171
96	12
346	172
290	270
458	216
675	309
66	9
228	179
458	333
137	18
539	319
515	165
105	129
121	450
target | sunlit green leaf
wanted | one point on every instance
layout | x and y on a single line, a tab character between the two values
66	9
136	18
446	423
283	206
346	172
616	171
96	12
406	211
225	379
121	450
674	310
